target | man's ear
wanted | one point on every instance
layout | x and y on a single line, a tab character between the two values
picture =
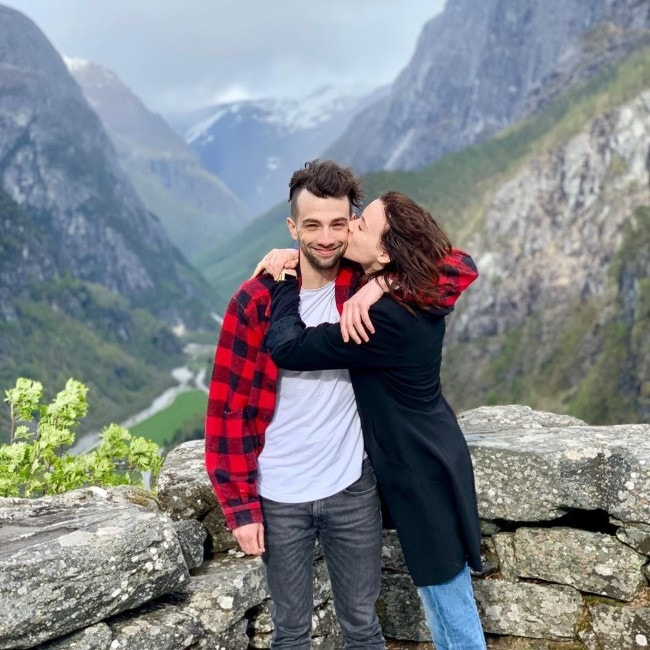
293	229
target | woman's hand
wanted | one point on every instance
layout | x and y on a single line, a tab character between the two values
355	321
276	260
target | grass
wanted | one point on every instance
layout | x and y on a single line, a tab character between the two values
162	427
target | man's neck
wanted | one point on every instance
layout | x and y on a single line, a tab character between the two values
312	278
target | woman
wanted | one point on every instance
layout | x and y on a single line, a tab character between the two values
411	434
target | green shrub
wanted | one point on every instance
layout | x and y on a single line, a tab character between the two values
36	461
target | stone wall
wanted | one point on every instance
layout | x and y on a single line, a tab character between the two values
565	511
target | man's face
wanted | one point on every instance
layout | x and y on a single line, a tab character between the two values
321	229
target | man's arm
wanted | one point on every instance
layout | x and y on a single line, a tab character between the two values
230	439
457	271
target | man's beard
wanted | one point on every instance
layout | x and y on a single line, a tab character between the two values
320	263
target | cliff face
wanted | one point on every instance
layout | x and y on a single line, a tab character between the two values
59	167
482	64
90	284
196	208
551	232
564	291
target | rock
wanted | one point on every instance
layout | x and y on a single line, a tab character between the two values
591	562
537	474
67	568
325	630
232	638
95	637
621	627
221	592
486	419
191	535
533	593
162	627
400	610
221	538
392	557
504	544
636	535
93	497
184	488
260	628
531	610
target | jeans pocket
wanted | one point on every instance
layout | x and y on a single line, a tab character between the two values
366	483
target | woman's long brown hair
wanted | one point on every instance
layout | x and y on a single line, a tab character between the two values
416	244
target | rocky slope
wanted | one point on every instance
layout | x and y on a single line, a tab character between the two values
560	313
195	207
482	64
554	210
90	284
59	166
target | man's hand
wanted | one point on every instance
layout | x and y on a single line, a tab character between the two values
276	260
355	321
250	538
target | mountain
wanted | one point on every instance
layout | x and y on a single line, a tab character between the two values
255	145
479	66
195	207
556	212
90	284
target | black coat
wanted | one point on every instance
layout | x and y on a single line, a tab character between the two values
417	449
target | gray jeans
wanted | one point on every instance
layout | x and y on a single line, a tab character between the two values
348	526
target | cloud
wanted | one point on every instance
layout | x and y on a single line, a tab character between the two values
182	55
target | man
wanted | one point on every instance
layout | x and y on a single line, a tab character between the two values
284	450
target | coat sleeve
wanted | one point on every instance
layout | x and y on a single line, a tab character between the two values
230	440
296	347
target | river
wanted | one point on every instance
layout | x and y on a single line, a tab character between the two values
187	380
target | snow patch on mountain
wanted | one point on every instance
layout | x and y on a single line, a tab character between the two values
288	115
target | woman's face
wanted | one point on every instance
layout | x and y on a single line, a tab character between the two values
364	241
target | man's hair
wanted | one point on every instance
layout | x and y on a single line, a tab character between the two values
325	179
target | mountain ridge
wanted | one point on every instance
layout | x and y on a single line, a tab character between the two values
530	345
255	145
90	284
479	66
166	172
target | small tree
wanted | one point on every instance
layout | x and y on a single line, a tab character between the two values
36	462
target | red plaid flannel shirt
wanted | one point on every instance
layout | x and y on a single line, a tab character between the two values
242	395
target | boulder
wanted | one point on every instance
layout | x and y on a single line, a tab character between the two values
65	568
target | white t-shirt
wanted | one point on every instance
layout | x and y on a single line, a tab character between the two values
313	447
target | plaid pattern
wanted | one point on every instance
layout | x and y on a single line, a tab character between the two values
242	395
457	272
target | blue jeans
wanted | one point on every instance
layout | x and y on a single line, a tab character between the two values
451	614
348	526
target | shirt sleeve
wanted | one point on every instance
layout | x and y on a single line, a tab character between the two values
230	439
296	347
457	272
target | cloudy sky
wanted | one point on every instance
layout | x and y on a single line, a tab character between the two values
184	54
